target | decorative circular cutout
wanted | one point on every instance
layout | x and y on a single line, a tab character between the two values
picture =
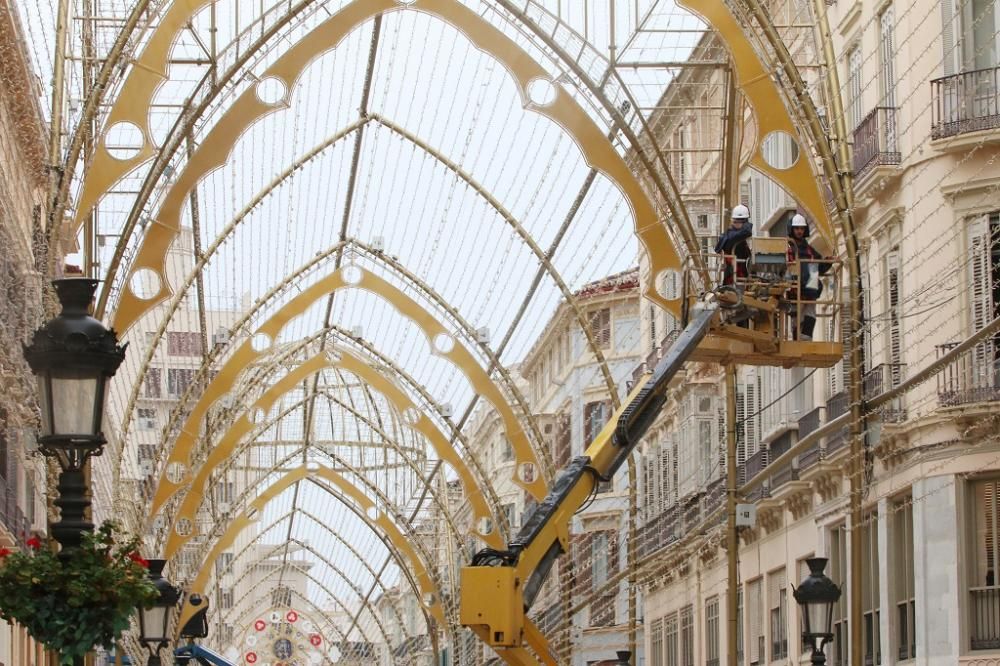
411	415
542	92
176	472
124	140
261	342
352	274
372	513
443	343
183	527
144	283
484	525
526	472
271	90
780	150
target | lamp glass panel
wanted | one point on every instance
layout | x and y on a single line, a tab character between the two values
817	617
154	624
73	399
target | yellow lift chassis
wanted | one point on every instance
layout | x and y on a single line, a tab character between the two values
501	585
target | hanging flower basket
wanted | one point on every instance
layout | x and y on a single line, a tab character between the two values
70	606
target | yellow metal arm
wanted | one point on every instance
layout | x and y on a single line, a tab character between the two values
501	585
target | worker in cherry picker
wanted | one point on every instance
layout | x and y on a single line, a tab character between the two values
733	246
810	265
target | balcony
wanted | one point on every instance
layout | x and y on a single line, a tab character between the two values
965	102
836	406
882	378
876	142
808	424
984	618
970	378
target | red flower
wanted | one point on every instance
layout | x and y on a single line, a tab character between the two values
34	543
4	552
139	559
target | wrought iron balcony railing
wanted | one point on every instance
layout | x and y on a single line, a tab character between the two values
972	377
876	141
880	379
965	102
984	618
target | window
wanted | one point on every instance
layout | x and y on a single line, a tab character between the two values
599	556
178	381
778	613
224	491
656	643
224	562
227	598
887	75
563	441
755	627
146	452
870	590
595	416
147	418
838	573
687	636
600	327
183	343
984	594
506	451
739	625
892	300
510	510
153	385
281	596
670	641
855	86
984	296
903	584
712	632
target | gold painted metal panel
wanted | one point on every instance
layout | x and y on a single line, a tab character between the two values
214	149
377	520
757	85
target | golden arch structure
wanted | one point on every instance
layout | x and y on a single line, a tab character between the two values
610	137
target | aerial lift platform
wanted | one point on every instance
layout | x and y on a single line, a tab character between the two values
746	323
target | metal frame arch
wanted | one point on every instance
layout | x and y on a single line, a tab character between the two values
565	111
245	355
190	503
228	445
485	485
226	616
356	501
306	546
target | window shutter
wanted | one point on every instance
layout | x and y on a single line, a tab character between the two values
948	36
667	472
754	612
893	304
980	296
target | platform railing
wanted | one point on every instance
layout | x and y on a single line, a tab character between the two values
972	377
876	141
965	102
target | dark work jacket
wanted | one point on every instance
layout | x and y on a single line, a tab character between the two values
734	242
800	249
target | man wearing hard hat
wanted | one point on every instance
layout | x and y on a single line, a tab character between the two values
811	265
733	245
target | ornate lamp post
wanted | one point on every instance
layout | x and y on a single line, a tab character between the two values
154	622
816	596
74	356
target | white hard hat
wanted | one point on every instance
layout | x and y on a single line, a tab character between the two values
799	220
741	212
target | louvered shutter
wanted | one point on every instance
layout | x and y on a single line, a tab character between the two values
667	472
894	316
948	36
755	626
980	297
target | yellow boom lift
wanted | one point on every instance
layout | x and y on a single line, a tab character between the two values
743	323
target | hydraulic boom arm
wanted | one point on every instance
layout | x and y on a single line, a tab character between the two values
501	585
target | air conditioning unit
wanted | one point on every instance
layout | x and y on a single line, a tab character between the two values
378	244
221	337
483	335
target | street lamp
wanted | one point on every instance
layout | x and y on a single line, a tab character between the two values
816	596
74	356
154	622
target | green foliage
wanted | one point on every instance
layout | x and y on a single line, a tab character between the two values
70	606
